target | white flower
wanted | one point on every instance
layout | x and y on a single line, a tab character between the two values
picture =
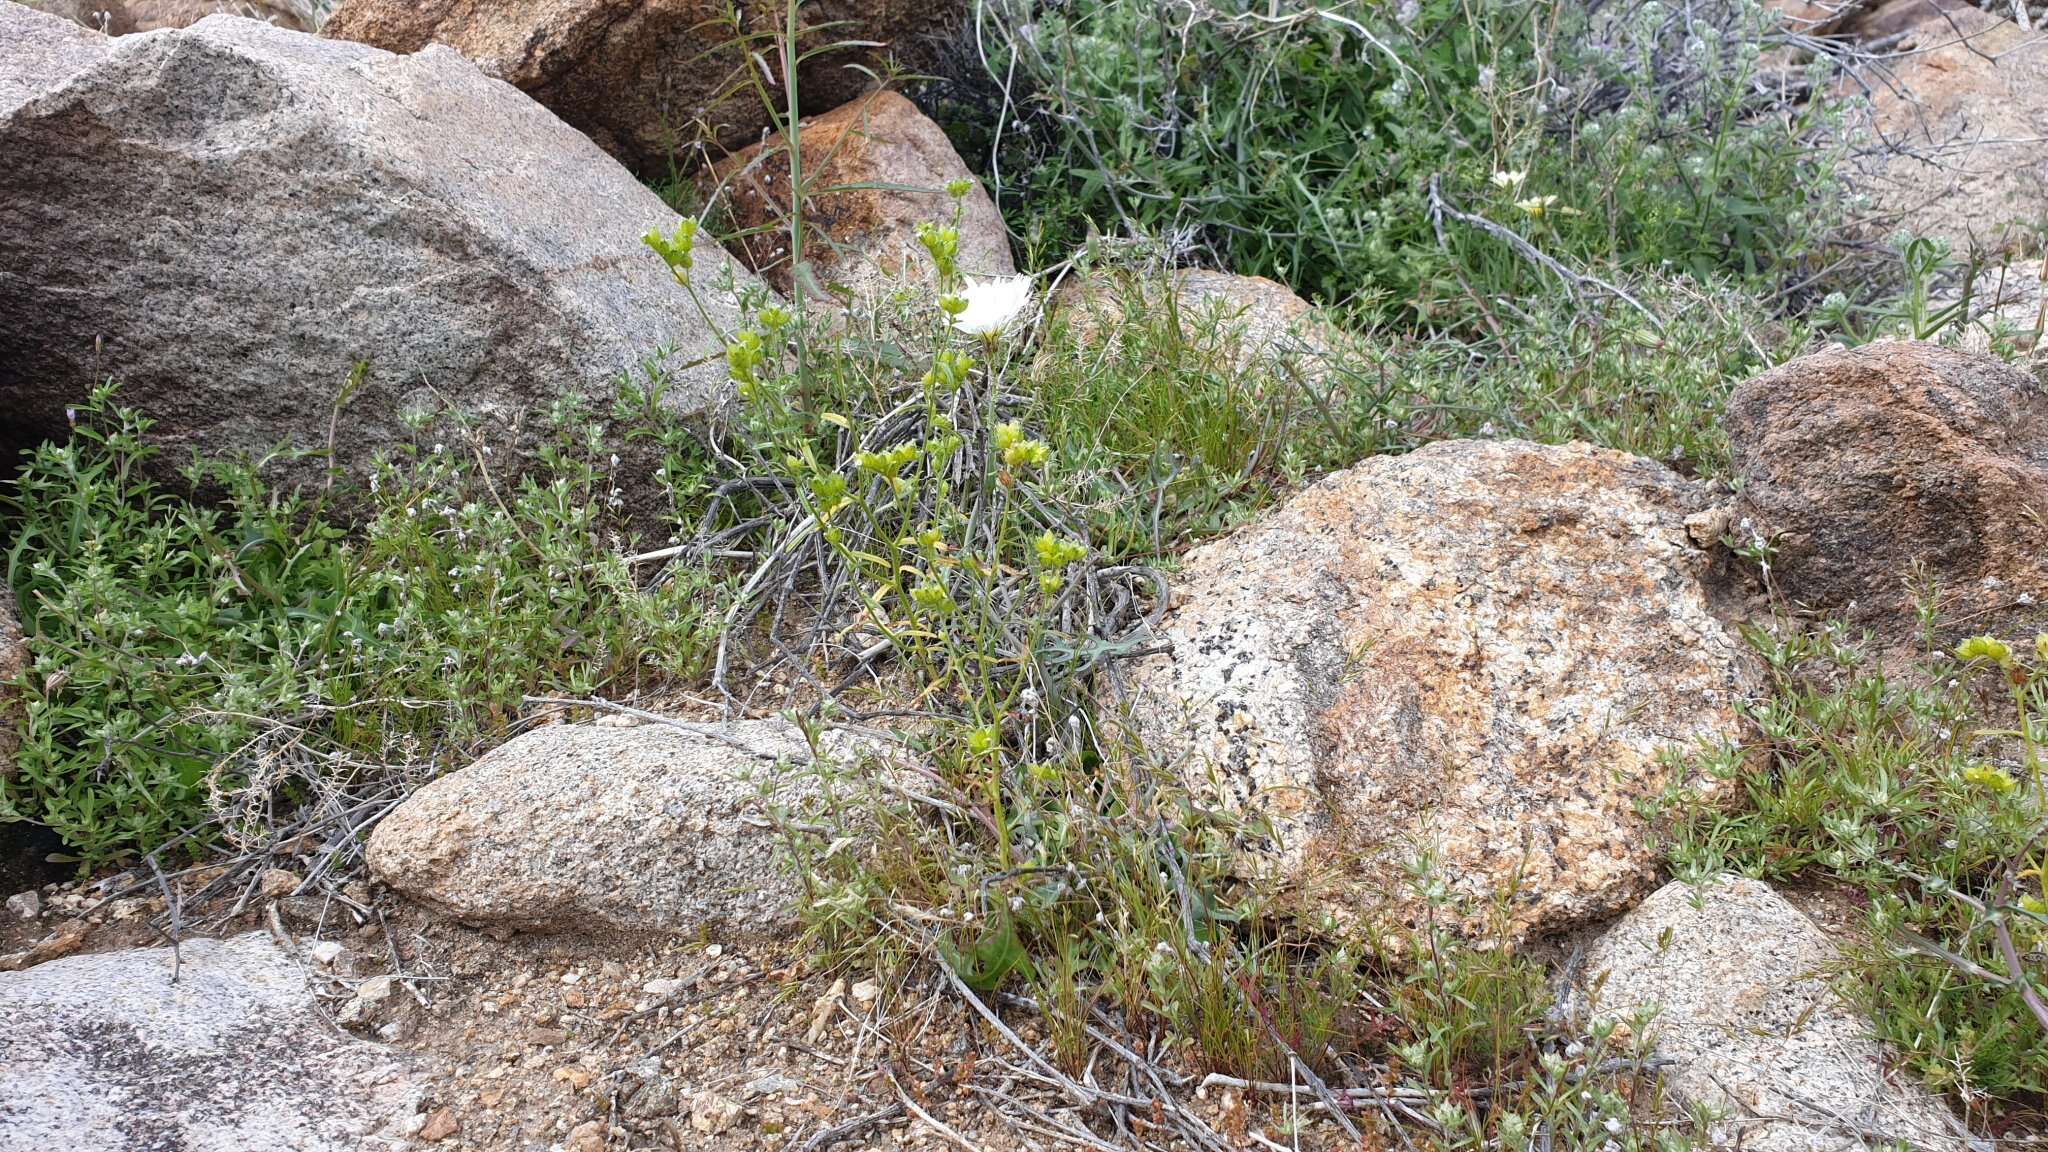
1509	179
1536	205
993	304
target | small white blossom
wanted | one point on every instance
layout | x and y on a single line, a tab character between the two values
992	305
1511	179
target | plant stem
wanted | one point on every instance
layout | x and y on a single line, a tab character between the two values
796	180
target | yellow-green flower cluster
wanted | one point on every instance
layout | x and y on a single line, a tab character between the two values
828	493
1986	777
942	241
950	370
983	740
889	463
1985	648
932	599
1054	554
743	359
678	251
1017	451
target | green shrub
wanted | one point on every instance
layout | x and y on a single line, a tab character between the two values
170	639
1332	146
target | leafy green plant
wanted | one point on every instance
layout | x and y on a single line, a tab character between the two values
1421	160
168	636
1921	794
1939	297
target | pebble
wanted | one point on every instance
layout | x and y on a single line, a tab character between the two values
326	952
712	1114
588	1136
278	883
375	989
440	1126
25	905
769	1085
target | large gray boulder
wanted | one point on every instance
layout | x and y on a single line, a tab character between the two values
1481	651
218	1046
40	52
227	218
591	828
1738	979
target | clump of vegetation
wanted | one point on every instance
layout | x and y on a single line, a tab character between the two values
1421	158
1923	795
933	522
1113	911
949	530
172	642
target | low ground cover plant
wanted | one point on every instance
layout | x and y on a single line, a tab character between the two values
1919	794
173	642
